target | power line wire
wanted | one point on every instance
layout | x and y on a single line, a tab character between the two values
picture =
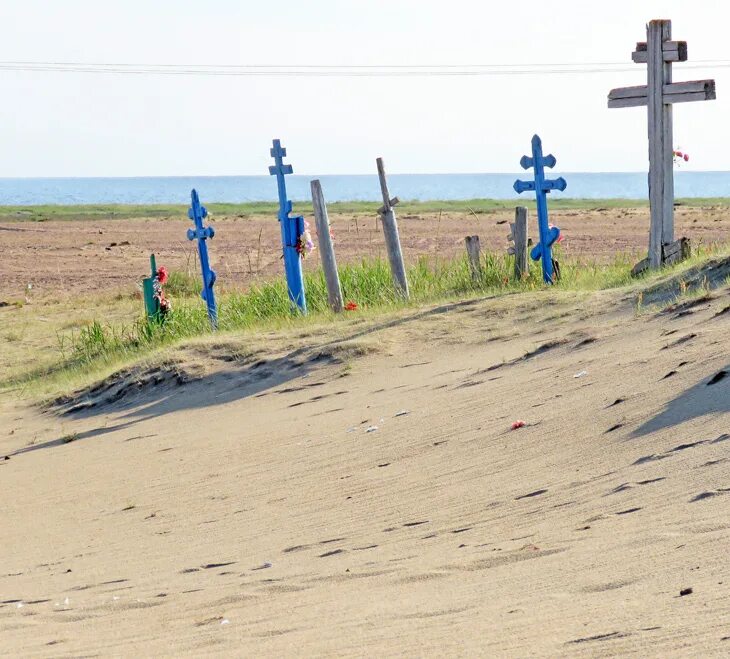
327	70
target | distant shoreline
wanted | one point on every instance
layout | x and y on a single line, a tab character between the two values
46	212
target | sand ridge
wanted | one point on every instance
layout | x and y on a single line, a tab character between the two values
372	500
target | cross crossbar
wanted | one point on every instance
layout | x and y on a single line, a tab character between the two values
672	51
676	92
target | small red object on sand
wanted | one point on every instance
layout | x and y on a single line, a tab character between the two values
518	424
351	306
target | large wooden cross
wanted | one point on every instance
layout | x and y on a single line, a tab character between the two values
658	53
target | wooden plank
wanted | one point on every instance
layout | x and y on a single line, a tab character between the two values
521	242
657	32
627	92
641	267
326	249
689	97
677	92
667	157
677	251
395	255
387	204
690	86
474	254
392	239
393	202
636	102
672	51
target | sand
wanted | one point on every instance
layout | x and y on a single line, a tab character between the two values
357	490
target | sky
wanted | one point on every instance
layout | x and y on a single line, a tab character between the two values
92	124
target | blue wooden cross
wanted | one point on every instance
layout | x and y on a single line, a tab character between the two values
292	229
197	213
542	186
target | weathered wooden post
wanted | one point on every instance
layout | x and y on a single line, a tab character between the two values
658	53
392	239
326	249
518	235
474	253
292	229
197	213
542	186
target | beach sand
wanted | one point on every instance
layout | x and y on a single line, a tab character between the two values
357	490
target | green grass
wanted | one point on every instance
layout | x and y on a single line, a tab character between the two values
100	346
43	213
368	284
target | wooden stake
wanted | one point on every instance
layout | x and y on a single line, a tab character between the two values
520	237
473	252
326	249
392	239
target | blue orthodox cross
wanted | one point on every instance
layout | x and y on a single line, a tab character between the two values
292	229
541	186
197	213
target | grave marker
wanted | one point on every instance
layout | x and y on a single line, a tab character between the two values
326	249
518	235
542	186
151	303
292	229
659	94
390	231
197	213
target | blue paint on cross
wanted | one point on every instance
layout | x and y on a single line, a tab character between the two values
541	186
197	213
292	229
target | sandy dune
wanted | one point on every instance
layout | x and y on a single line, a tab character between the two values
242	508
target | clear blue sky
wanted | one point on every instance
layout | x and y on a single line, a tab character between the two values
70	124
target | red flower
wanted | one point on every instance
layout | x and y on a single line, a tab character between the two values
162	274
351	306
686	157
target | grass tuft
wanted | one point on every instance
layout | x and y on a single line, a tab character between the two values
100	346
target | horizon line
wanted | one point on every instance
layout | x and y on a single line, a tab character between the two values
210	176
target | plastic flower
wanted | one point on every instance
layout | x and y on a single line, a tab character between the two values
305	244
351	306
162	275
561	237
679	156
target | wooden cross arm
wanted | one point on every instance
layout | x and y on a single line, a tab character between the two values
676	92
393	202
672	51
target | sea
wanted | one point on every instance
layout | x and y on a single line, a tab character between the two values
423	187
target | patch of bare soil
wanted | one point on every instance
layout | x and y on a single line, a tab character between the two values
71	257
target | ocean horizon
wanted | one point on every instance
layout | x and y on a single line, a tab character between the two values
339	187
